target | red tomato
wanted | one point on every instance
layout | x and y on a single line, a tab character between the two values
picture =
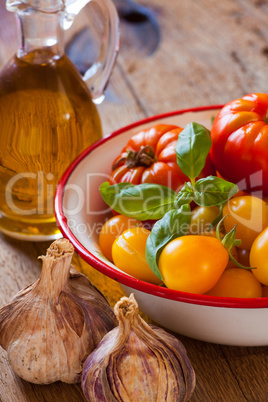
150	157
243	256
240	143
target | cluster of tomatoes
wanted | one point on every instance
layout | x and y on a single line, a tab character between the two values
200	254
200	262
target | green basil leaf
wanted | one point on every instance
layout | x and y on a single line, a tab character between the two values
110	194
143	201
175	223
192	148
213	190
185	195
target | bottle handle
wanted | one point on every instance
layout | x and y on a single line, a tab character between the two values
98	74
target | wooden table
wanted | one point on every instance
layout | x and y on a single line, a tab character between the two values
209	53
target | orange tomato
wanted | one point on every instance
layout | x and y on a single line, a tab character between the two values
237	282
258	257
113	228
250	214
128	253
193	263
230	264
201	219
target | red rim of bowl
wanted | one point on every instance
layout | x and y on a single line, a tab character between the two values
124	279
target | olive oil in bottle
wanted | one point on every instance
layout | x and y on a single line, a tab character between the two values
47	115
47	118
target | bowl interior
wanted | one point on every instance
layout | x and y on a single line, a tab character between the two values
81	212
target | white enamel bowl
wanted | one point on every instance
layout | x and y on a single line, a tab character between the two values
80	213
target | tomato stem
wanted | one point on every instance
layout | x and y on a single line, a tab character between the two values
229	241
144	157
238	263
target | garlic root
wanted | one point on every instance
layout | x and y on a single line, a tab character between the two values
49	328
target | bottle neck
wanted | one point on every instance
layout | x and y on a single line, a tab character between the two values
41	37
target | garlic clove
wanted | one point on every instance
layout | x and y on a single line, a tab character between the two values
137	362
49	328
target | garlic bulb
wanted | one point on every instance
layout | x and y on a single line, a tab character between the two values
136	362
49	328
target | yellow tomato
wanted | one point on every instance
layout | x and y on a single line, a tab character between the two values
128	253
250	214
193	263
237	282
258	257
113	228
201	219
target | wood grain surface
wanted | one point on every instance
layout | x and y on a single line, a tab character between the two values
209	53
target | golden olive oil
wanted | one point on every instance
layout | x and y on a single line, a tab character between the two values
47	118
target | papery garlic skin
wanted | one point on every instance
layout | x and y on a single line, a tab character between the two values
136	362
49	328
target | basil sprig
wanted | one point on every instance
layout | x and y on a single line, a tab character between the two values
207	192
192	149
